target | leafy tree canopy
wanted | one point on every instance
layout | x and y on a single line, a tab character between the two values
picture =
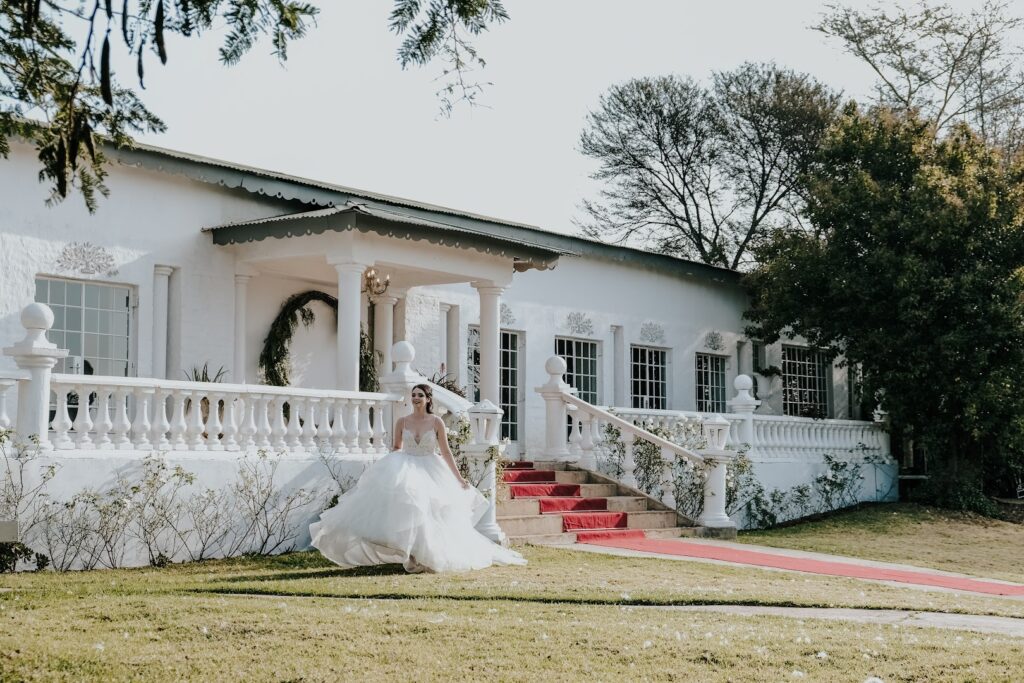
58	91
703	172
914	274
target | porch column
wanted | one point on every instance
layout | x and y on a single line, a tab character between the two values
442	335
384	328
161	292
490	340
241	302
619	364
350	276
454	357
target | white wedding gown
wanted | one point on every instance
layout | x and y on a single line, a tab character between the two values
409	508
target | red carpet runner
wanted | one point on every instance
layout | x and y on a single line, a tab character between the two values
763	559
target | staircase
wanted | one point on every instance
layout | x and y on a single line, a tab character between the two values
558	503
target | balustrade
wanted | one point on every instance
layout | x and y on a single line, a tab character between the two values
108	413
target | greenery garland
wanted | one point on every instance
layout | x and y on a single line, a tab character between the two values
274	359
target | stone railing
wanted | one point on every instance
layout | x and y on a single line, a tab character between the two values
574	427
125	413
781	438
664	419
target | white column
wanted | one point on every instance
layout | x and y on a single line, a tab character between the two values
37	355
350	276
241	304
161	293
399	314
490	340
619	370
454	357
383	328
442	335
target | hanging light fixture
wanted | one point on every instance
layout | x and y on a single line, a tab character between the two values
372	283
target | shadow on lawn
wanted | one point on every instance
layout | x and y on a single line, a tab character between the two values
320	573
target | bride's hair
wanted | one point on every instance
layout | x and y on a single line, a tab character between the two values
429	393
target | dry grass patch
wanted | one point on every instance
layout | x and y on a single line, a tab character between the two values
201	637
911	534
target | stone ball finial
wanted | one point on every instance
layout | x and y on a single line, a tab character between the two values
555	366
743	383
37	316
403	352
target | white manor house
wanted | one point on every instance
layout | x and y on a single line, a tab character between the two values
189	261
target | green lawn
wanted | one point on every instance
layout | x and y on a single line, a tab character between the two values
912	534
566	615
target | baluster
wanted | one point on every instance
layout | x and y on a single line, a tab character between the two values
230	441
103	425
338	428
309	424
574	430
263	427
248	428
179	428
379	433
214	428
194	432
365	430
323	427
141	425
5	419
161	425
628	461
122	426
294	430
668	478
588	460
279	429
61	419
352	424
83	421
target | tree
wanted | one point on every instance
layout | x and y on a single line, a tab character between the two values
915	275
952	67
59	92
703	172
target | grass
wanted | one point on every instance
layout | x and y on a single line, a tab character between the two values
565	616
911	534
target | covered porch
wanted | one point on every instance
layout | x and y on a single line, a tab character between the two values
372	257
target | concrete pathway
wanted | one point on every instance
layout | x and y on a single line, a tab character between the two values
1006	626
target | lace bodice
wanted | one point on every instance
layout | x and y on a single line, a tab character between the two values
427	445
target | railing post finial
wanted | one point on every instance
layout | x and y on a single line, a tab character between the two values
555	444
37	355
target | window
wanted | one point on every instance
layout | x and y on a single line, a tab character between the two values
92	321
710	383
582	363
804	382
649	377
509	375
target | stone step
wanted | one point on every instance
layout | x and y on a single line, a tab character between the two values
586	491
531	506
570	538
530	525
538	476
651	519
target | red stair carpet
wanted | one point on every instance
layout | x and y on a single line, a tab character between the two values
763	559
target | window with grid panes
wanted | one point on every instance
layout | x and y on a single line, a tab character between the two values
93	322
710	383
805	391
649	377
509	375
582	366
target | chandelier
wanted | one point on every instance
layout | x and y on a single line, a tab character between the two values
372	283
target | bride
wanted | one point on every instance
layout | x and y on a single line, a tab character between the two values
411	507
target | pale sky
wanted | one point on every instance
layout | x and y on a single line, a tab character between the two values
341	110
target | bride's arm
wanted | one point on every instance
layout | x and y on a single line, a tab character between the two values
399	424
446	452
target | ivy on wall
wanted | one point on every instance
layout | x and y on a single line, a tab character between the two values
274	359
